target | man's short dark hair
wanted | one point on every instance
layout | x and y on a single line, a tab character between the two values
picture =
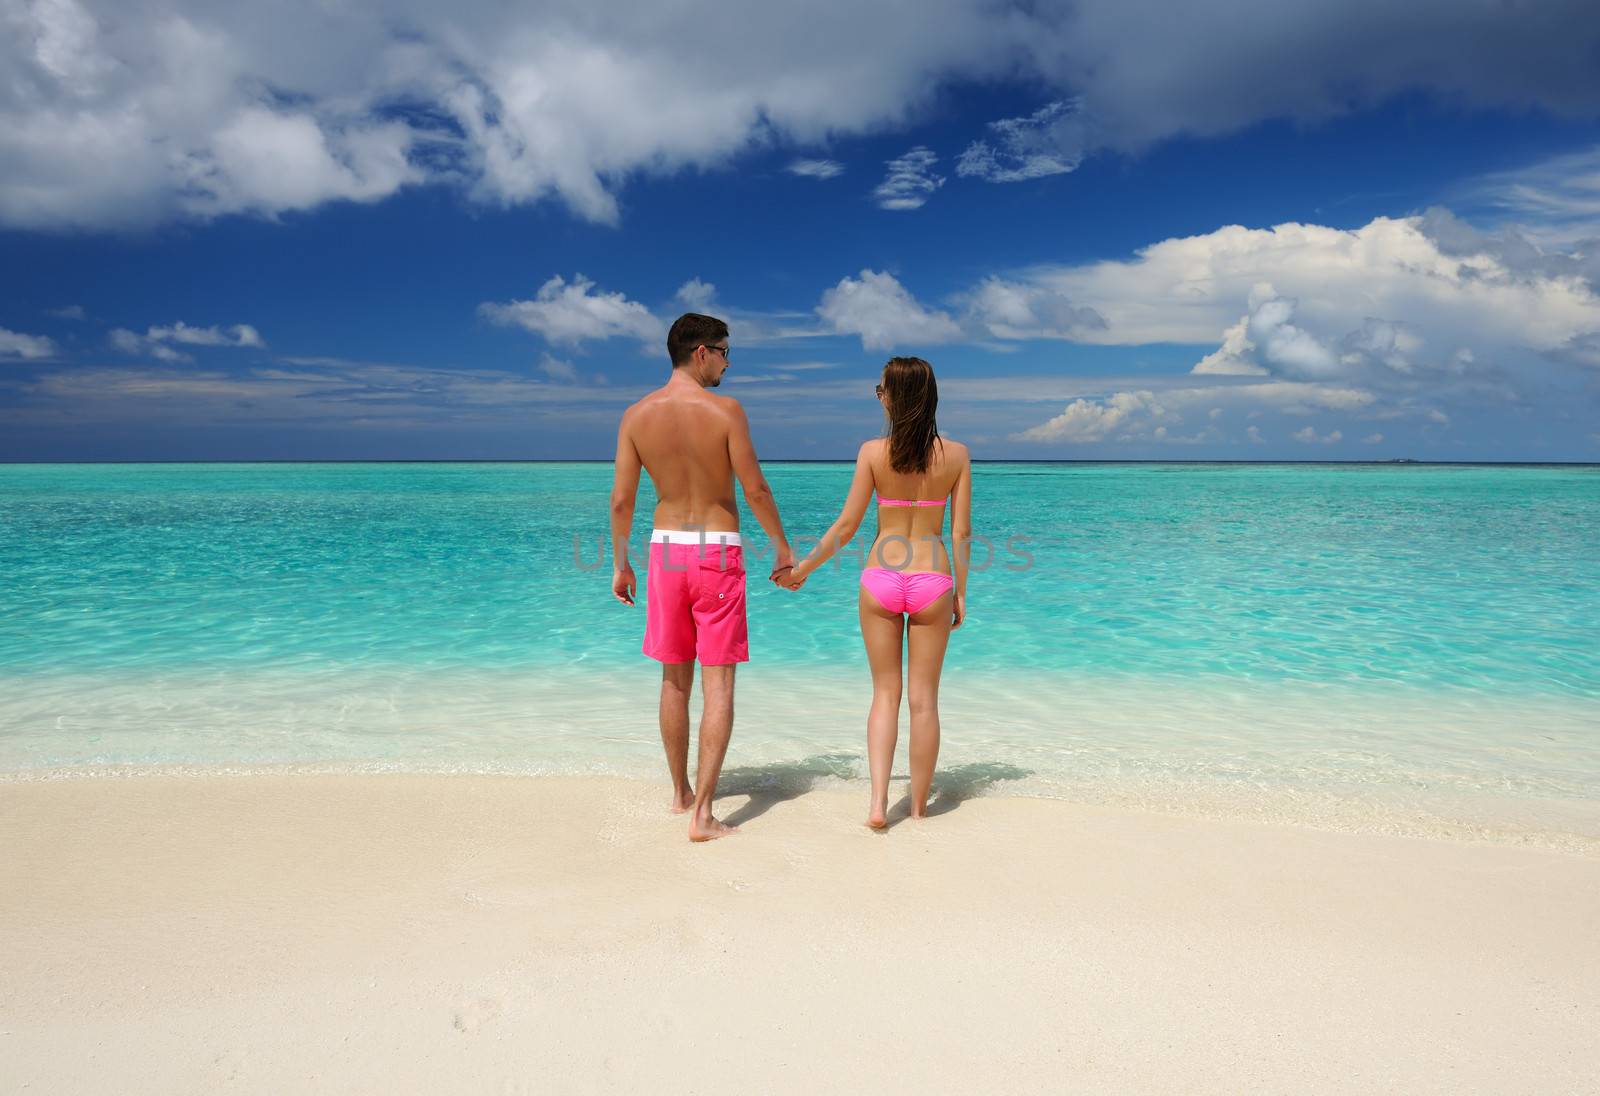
691	330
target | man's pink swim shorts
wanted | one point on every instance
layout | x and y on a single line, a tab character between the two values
694	598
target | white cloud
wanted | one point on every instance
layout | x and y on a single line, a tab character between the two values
14	344
241	334
1051	141
1148	415
878	308
816	169
156	341
327	392
1015	310
1561	191
696	296
1309	436
1418	310
270	161
1266	341
1092	420
131	342
762	378
569	313
748	327
788	371
1192	289
1234	355
1392	345
130	112
910	181
1372	439
1294	351
118	116
558	370
68	312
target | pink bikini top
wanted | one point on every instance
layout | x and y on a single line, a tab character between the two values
909	502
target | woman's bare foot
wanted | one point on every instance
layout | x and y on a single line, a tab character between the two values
683	802
877	818
709	829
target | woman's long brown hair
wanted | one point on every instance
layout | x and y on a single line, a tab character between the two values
910	397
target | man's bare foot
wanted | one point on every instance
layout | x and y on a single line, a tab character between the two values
709	829
683	802
877	818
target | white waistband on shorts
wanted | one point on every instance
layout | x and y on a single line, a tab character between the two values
710	537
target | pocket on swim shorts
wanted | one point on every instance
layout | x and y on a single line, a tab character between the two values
723	576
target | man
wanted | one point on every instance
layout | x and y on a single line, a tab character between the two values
693	443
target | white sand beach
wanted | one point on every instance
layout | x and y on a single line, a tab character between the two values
435	934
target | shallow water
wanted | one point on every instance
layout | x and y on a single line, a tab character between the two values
1397	647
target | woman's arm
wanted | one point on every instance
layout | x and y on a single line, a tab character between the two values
961	533
841	531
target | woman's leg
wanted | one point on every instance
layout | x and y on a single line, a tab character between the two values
882	632
929	635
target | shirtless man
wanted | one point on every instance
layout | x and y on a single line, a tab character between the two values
693	444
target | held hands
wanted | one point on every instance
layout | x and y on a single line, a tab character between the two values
791	577
783	567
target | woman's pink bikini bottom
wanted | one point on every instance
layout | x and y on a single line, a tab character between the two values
905	592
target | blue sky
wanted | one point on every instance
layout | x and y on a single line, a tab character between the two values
1242	230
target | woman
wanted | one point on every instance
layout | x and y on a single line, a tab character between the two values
909	577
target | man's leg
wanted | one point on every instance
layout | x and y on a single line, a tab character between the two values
677	679
716	727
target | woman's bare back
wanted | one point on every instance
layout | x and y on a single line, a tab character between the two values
910	537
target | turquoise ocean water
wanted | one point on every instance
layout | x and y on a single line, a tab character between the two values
1400	647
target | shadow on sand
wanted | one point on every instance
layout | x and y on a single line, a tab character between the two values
780	782
783	781
953	787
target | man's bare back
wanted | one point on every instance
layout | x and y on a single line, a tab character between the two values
682	434
694	444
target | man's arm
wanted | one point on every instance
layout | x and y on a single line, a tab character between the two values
757	492
624	492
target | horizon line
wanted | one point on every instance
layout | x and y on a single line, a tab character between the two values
809	460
